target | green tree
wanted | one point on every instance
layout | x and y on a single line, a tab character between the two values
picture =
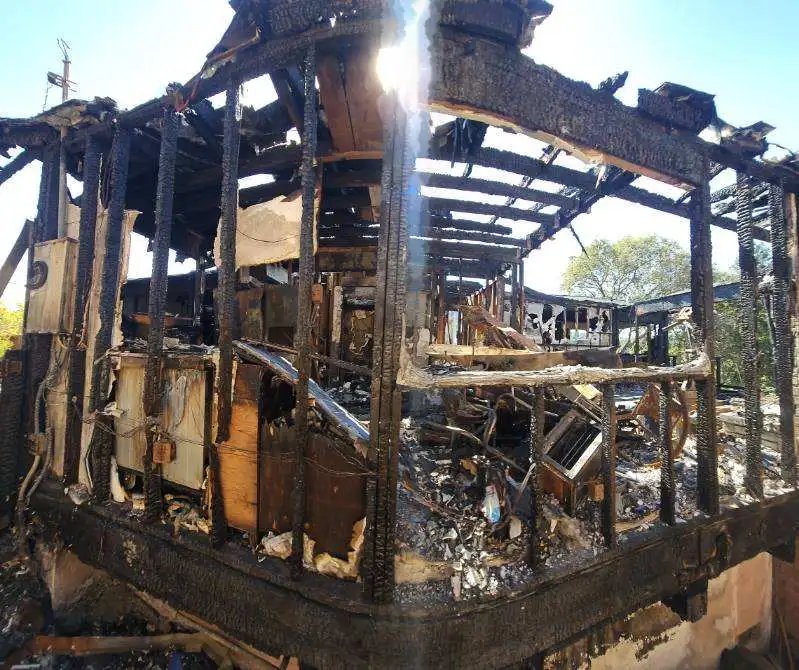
631	269
10	325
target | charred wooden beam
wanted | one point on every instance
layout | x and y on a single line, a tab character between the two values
386	413
667	482
748	323
231	142
418	247
702	305
360	177
447	206
153	380
609	466
92	158
463	236
21	160
498	188
784	347
265	192
302	333
439	222
15	255
524	165
102	440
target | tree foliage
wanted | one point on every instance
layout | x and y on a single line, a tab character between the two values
631	269
10	325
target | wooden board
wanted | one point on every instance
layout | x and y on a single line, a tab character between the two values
349	89
501	358
238	457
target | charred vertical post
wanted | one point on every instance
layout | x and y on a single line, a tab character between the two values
378	564
102	435
229	202
749	310
609	464
667	483
702	306
514	296
535	555
159	281
83	279
783	351
522	312
460	337
304	305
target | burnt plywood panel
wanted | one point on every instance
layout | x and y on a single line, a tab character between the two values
335	490
280	306
357	329
250	313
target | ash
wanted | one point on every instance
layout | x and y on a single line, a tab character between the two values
448	550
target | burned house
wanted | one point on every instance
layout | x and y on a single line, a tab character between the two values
350	436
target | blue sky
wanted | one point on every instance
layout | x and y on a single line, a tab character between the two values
745	54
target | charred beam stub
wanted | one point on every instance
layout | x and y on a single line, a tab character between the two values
77	359
157	302
304	303
667	483
702	306
783	351
749	310
609	465
102	436
231	141
536	553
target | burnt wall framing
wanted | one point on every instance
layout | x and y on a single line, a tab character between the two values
92	162
386	413
153	380
302	337
102	436
331	627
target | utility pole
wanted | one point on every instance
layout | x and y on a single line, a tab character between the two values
66	85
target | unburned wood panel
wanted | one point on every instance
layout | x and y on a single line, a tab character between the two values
244	419
238	473
349	89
